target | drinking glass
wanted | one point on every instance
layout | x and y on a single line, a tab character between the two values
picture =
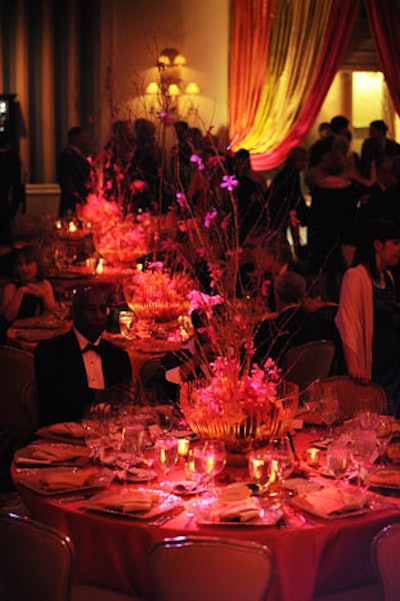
60	255
383	436
337	459
167	452
93	425
367	414
70	255
133	442
260	468
329	410
164	417
214	457
283	462
126	320
362	447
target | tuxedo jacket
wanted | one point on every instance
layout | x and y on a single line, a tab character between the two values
61	376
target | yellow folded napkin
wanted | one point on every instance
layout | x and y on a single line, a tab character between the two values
385	478
67	429
244	510
330	501
58	453
128	502
60	480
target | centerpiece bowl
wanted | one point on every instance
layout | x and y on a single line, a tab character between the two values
242	420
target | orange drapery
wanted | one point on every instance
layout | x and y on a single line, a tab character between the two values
252	20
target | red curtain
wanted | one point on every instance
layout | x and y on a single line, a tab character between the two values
341	24
384	23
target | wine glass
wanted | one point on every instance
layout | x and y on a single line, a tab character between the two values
367	414
337	459
92	422
133	441
60	255
283	461
329	410
260	468
167	452
70	255
164	416
126	319
214	457
383	434
362	447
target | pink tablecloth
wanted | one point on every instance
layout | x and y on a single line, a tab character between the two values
316	558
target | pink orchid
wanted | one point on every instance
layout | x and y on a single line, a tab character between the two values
209	217
165	117
203	301
181	199
198	160
229	182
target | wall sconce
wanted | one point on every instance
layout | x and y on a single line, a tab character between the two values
171	57
174	90
192	89
152	88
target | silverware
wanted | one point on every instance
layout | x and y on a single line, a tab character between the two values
166	517
73	498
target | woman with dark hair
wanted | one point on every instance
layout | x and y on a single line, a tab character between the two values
28	295
368	309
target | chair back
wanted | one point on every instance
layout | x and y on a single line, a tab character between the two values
199	568
349	394
308	362
17	374
386	559
35	561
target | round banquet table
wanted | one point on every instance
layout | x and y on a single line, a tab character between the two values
318	557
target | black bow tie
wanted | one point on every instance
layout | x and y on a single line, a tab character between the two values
91	347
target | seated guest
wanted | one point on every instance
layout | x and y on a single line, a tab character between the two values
80	367
29	294
294	325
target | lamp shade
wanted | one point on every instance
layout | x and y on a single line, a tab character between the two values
192	89
152	88
173	89
179	60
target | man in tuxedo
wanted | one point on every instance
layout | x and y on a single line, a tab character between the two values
73	172
79	367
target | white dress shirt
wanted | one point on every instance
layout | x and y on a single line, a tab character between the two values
92	361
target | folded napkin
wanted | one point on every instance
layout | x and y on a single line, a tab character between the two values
53	453
60	480
67	429
128	502
238	491
300	485
389	478
244	510
329	502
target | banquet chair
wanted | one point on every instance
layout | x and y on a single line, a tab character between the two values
17	374
349	393
386	558
36	564
199	568
308	362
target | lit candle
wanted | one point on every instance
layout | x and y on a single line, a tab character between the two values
72	227
313	456
100	267
183	447
58	224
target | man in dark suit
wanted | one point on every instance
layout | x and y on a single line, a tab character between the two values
73	172
79	367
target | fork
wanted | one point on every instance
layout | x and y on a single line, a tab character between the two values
166	517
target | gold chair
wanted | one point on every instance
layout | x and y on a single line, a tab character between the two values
308	362
36	564
17	374
201	568
349	393
386	557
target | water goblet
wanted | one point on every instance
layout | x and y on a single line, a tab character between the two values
126	320
329	410
260	468
383	436
70	255
93	426
167	452
164	417
60	255
367	414
283	462
337	459
362	448
214	457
